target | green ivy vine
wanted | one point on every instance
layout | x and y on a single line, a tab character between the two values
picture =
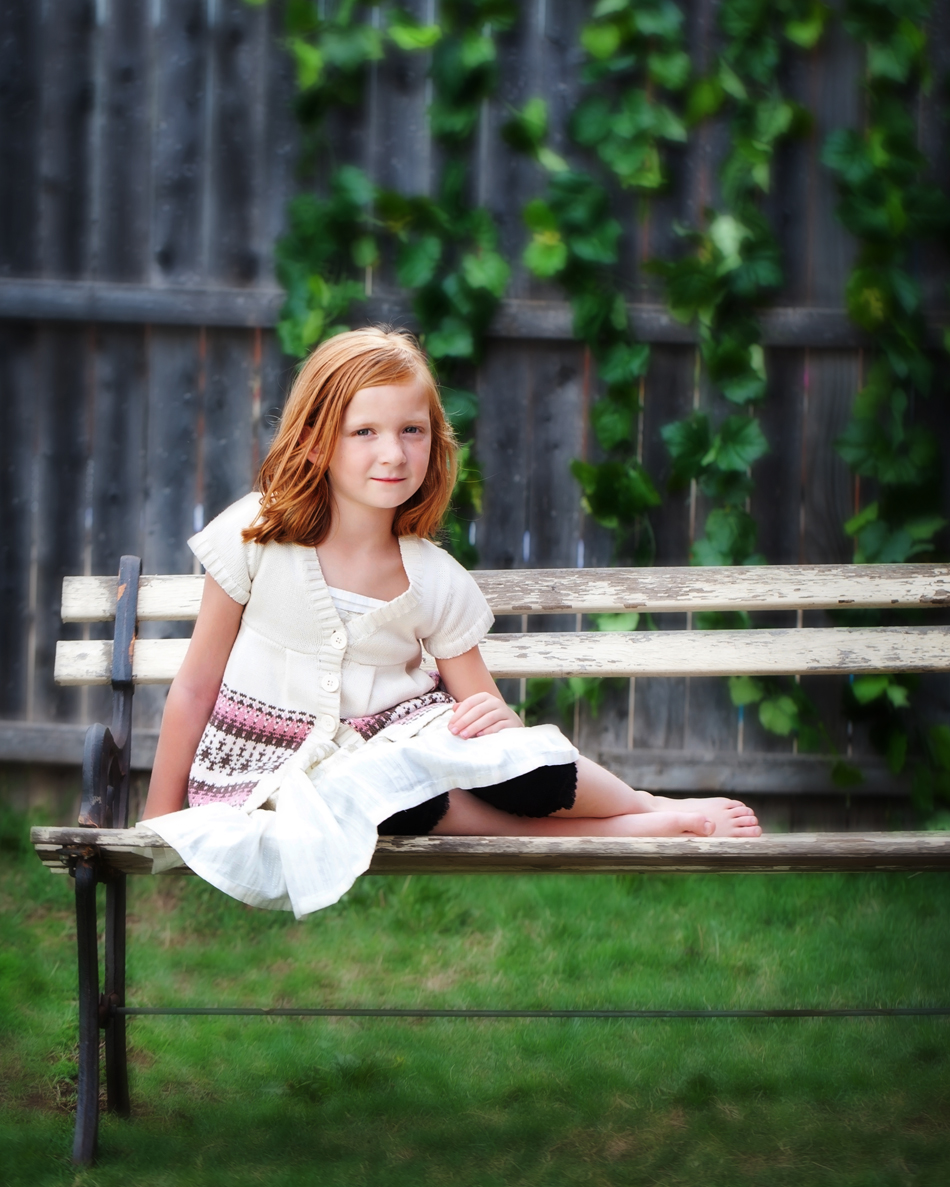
889	205
443	248
641	101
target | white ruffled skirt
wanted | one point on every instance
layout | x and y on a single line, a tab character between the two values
309	829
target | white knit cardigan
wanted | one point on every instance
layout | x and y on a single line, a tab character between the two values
295	669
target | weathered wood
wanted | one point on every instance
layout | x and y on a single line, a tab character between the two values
659	653
728	773
17	489
132	851
20	57
180	142
124	146
591	591
25	298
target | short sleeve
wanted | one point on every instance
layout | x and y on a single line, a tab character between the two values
220	548
464	616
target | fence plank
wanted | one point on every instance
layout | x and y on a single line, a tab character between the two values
18	387
125	145
227	465
235	142
67	111
59	524
20	55
180	140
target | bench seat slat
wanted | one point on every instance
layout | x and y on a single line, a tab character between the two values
644	653
590	591
131	852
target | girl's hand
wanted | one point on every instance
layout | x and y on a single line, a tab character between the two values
482	713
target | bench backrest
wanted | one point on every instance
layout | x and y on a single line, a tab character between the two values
526	592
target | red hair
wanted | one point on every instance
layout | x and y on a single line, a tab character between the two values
296	503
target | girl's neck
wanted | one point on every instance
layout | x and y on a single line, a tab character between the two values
361	554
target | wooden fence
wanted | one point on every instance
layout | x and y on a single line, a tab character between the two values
147	152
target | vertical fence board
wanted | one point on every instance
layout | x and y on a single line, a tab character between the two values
61	501
118	445
125	145
228	411
19	136
18	386
67	106
180	49
235	143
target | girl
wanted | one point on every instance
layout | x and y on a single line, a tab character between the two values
301	722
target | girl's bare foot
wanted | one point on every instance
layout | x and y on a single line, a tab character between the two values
731	818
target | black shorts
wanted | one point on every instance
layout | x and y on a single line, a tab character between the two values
538	793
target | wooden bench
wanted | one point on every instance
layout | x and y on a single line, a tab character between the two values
104	849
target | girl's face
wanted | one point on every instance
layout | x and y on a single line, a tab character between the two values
382	455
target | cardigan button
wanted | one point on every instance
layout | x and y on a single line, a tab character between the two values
329	682
338	640
328	724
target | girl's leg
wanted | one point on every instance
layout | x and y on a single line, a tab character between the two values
601	794
469	816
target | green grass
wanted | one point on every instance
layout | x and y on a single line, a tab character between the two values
352	1102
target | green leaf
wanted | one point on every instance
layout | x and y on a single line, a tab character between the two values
351	185
615	492
548	159
616	622
539	217
861	520
309	62
779	715
600	41
417	259
599	246
730	82
807	30
488	270
477	50
670	69
898	695
453	339
364	251
461	407
624	362
661	19
688	443
845	774
745	690
739	442
869	688
704	99
591	121
612	423
546	254
938	738
527	128
924	528
415	37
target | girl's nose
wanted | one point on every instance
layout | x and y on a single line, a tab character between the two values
391	450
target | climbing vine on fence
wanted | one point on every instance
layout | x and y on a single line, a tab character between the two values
888	204
443	247
641	100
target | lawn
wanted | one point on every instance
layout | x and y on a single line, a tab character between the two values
351	1102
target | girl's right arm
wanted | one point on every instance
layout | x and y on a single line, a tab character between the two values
191	698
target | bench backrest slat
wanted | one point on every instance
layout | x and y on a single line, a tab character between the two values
591	591
645	653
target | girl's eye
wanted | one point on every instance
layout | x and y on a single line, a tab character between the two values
414	429
363	432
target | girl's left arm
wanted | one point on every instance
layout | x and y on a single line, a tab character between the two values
481	709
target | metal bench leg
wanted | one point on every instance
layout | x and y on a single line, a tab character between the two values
117	1069
87	1101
